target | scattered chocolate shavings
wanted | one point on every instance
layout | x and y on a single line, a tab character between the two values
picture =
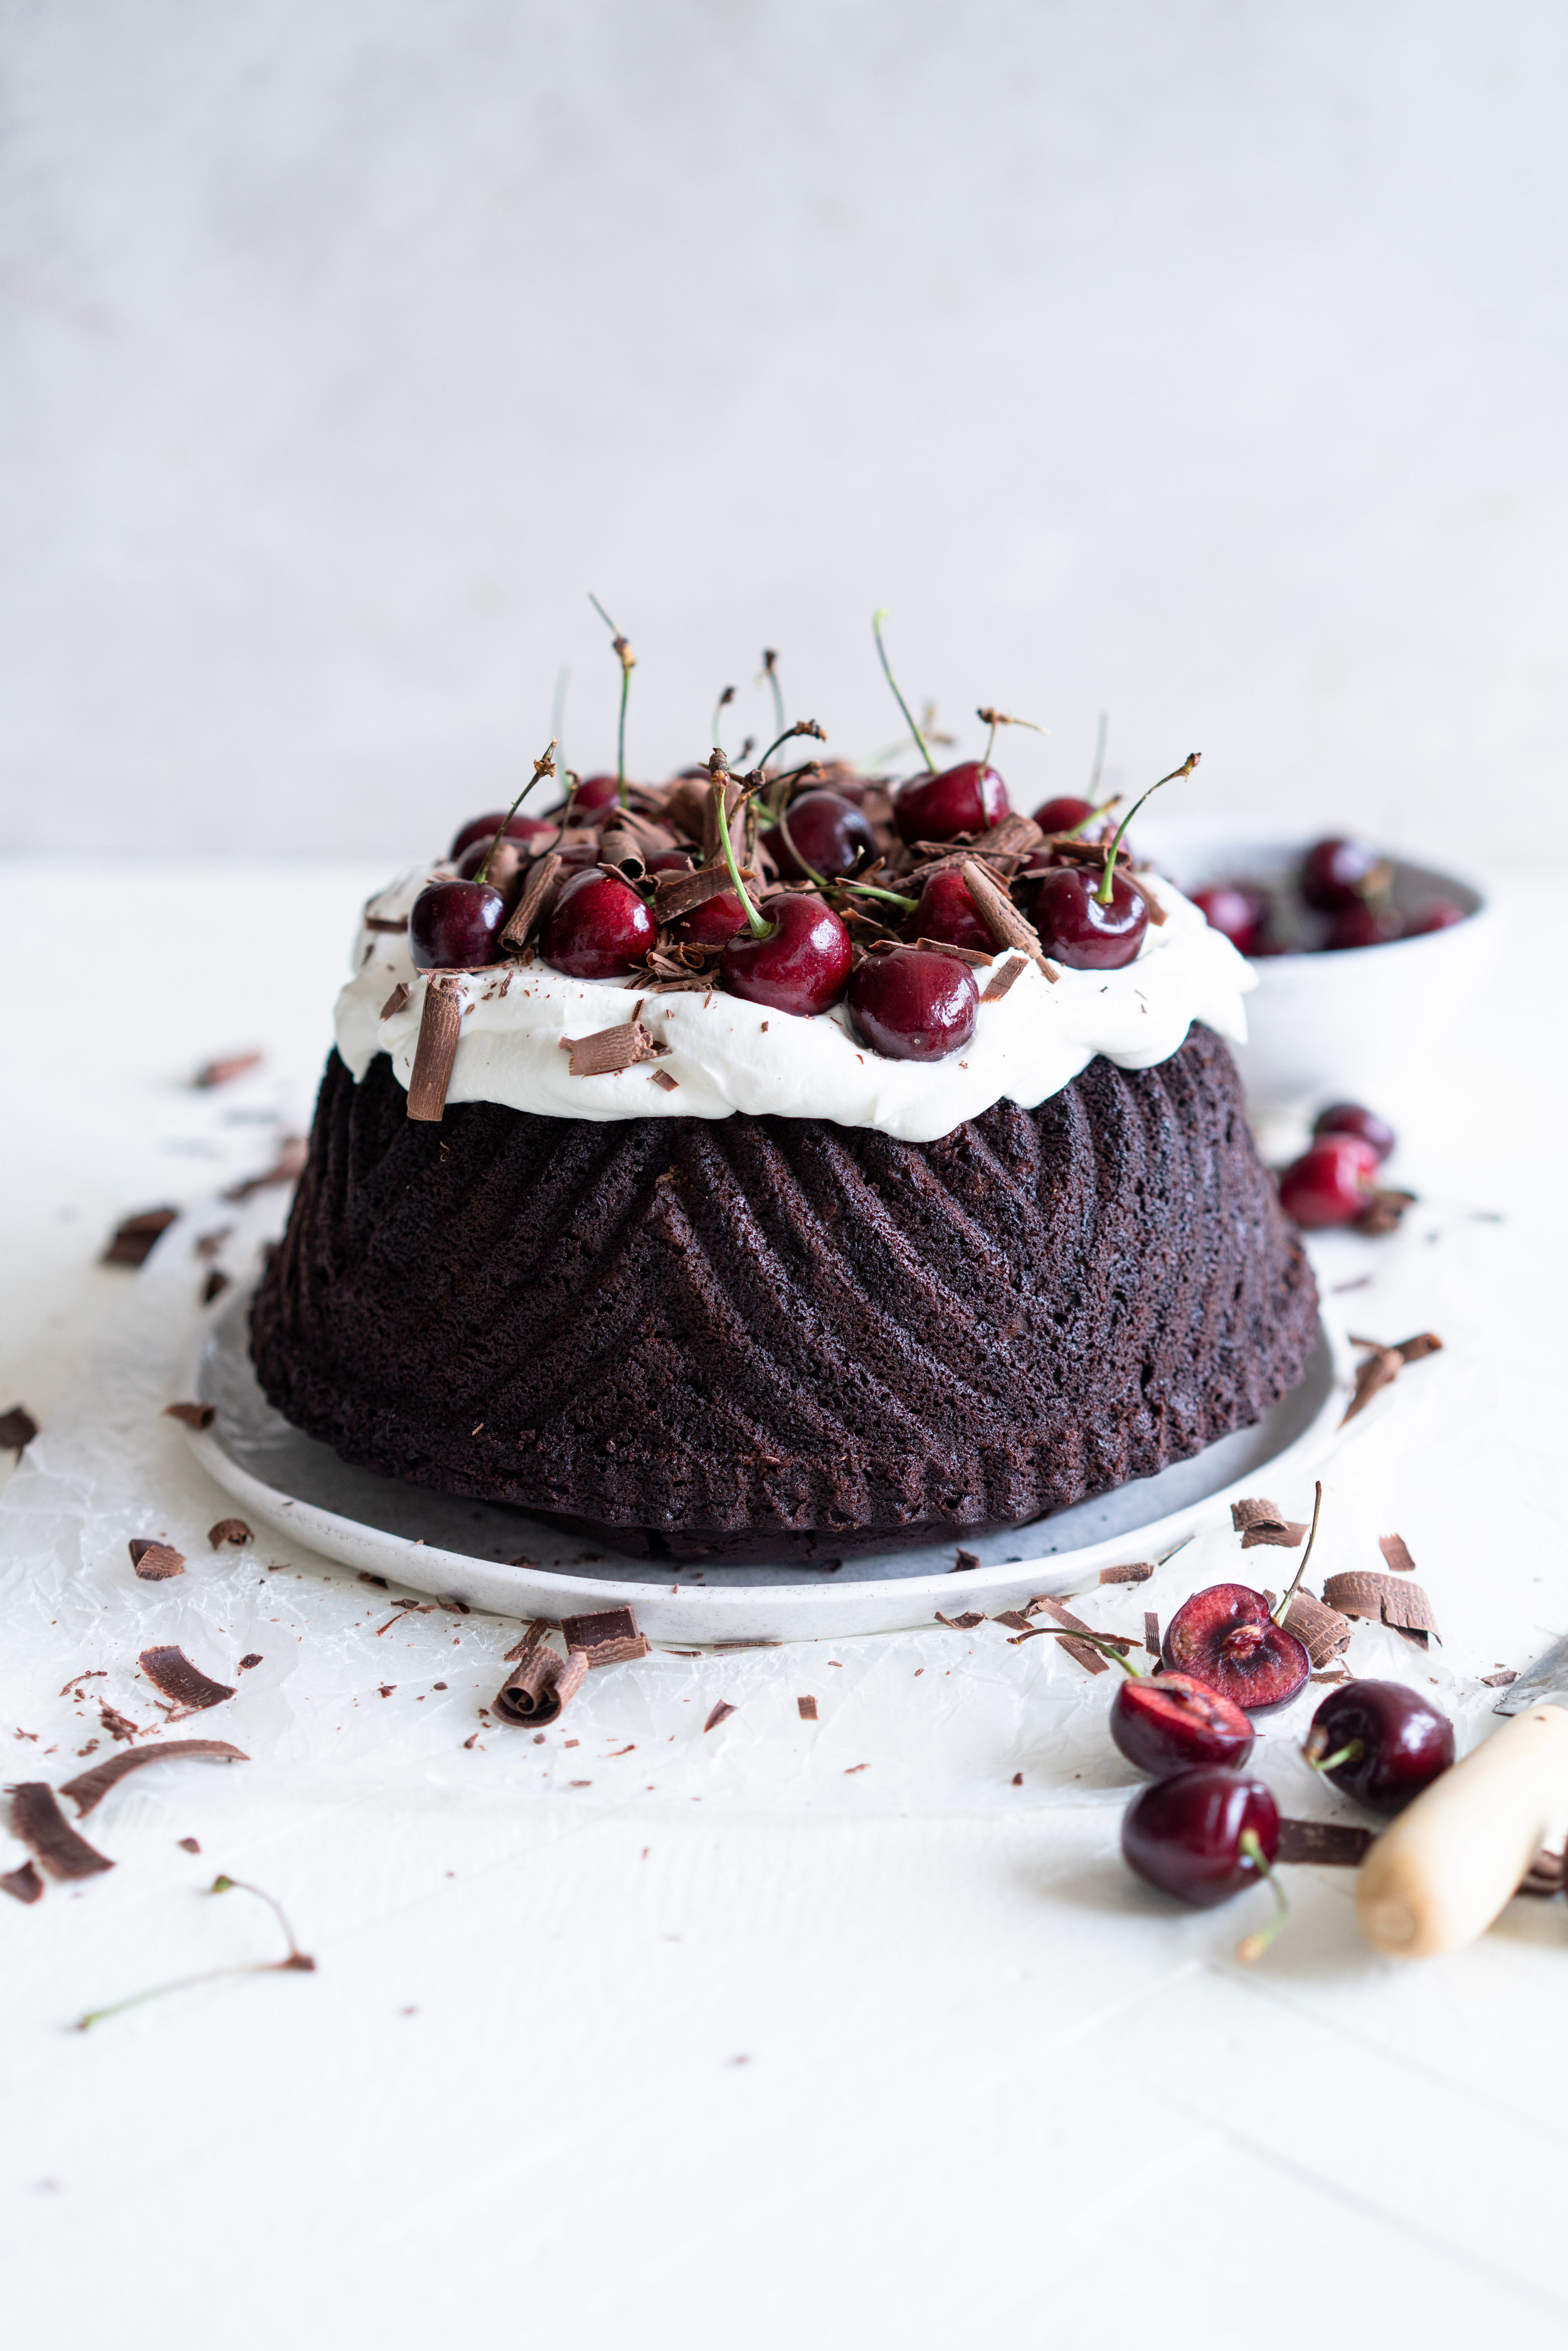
536	1690
93	1674
364	1576
169	1669
609	1050
1382	1212
223	1071
385	922
1334	1845
663	1078
610	1637
963	1561
964	1623
1001	981
1396	1553
1342	1676
22	1885
88	1789
1322	1632
135	1238
1258	1521
1374	1373
37	1821
538	895
155	1563
188	1844
195	1415
853	1768
721	1713
118	1725
17	1429
1151	1633
1011	1616
287	1168
1384	1600
808	1708
440	1026
229	1531
1425	1342
1089	1659
251	1658
1017	1780
532	1637
216	1282
395	1001
1137	1571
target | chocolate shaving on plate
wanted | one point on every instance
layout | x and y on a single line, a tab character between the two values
169	1669
609	1637
395	1001
536	1689
1384	1600
229	1531
155	1563
1336	1844
1396	1554
221	1073
22	1885
609	1050
1001	980
1136	1572
195	1415
808	1708
1259	1520
1499	1681
17	1429
118	1725
216	1282
963	1561
1373	1373
37	1821
1011	1617
721	1713
251	1657
1425	1342
440	1026
385	922
1151	1633
88	1789
531	1639
964	1623
135	1238
1322	1632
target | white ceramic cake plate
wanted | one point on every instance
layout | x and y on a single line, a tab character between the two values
503	1561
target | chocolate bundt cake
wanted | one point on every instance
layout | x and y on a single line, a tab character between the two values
722	1282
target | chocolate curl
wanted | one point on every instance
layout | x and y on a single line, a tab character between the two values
1335	1845
195	1415
964	1623
395	1002
1015	836
1384	1600
1396	1554
170	1670
134	1239
998	986
539	896
89	1788
229	1531
440	1025
155	1563
609	1637
1259	1520
971	956
536	1690
1374	1373
675	894
37	1821
609	1050
1138	1571
1001	917
618	849
1410	1351
1322	1632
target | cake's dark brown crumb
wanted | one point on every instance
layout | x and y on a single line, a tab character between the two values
754	1337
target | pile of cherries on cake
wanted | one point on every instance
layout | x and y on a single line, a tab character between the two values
1341	896
838	888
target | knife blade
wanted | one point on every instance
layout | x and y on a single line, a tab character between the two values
1545	1684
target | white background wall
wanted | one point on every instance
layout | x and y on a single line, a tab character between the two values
1201	359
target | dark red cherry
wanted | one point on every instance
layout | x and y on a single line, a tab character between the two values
1364	925
1185	1835
1168	1722
601	791
1078	930
946	912
598	927
1330	1183
671	861
1227	1637
484	829
803	967
1440	916
712	923
1355	1118
1336	874
509	855
1238	912
1063	814
454	925
915	1006
1381	1743
829	834
965	798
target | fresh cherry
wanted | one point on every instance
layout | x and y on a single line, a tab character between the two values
671	861
1078	930
1227	1638
712	923
915	1006
831	837
947	913
598	926
970	798
1440	916
484	829
1064	814
1235	910
1381	1743
1355	1118
1330	1183
1169	1722
1364	925
1199	1836
1337	874
596	792
452	926
801	967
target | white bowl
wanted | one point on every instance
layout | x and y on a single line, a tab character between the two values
1363	1024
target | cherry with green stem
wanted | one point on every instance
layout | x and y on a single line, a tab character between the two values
1101	928
1252	1946
720	707
1165	1722
877	620
1107	879
771	671
297	1962
628	660
543	766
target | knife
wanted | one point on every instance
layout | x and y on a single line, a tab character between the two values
1448	1865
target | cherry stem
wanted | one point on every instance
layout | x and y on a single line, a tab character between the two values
771	671
802	726
876	622
720	707
760	927
628	663
1351	1752
543	766
994	718
297	1962
1087	819
1106	1645
1099	768
1254	1946
1108	878
1284	1606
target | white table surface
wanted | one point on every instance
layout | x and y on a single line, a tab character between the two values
770	2053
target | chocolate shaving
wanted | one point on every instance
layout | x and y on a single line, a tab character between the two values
530	1640
155	1562
169	1669
1333	1844
1499	1681
610	1637
287	1168
1322	1632
118	1725
1375	1372
220	1072
663	1078
609	1050
134	1240
1342	1676
1396	1553
228	1530
216	1282
1384	1600
88	1789
195	1415
1138	1571
395	1001
534	1691
964	1623
17	1429
189	1845
1011	1616
1382	1212
971	956
440	1026
1259	1520
1151	1633
998	986
37	1821
963	1561
1015	836
385	922
808	1708
540	892
1089	1659
1001	917
721	1713
22	1885
1425	1342
675	894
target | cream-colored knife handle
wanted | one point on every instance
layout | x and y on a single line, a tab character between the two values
1439	1875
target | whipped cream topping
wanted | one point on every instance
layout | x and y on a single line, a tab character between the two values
726	1055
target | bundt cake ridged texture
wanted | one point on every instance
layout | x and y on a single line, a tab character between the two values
779	1337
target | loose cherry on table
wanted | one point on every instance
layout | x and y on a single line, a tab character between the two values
1171	1722
1236	911
947	913
1203	1835
970	798
915	1006
802	963
831	838
482	829
452	926
1330	1183
1355	1118
1336	875
1381	1743
599	927
1227	1638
